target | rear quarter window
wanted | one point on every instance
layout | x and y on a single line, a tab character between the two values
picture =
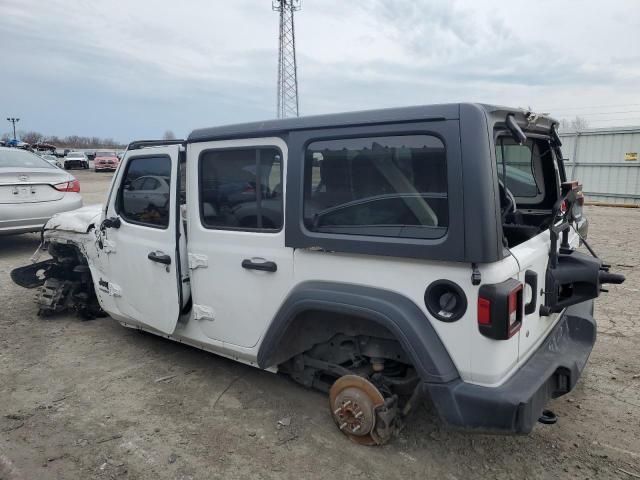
383	186
520	167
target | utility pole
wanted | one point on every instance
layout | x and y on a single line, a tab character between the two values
14	121
287	67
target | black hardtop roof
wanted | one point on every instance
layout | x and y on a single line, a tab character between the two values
447	111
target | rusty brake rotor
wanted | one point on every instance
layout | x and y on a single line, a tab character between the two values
353	401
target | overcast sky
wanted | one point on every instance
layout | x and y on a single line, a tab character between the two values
134	68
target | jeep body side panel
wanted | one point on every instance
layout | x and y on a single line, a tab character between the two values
396	312
476	358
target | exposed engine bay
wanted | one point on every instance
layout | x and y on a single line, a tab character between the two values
64	282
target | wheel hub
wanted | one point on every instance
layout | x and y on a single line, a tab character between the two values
353	401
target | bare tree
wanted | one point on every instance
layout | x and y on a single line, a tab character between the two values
577	124
31	137
169	135
71	141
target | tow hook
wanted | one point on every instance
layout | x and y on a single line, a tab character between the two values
548	417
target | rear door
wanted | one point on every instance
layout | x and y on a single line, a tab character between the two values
241	270
143	276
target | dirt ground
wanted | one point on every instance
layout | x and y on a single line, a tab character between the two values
95	400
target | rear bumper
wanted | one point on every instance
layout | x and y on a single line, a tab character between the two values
30	217
515	406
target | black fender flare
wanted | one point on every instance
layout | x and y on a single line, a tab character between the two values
401	316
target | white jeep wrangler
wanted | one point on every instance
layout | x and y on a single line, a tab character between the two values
379	256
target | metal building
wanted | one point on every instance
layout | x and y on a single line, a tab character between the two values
606	161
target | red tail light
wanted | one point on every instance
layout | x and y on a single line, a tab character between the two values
72	186
484	311
500	309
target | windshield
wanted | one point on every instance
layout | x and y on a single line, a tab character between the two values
21	159
105	154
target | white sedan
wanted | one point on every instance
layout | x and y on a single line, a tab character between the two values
32	191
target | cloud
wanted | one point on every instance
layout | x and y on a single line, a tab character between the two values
134	69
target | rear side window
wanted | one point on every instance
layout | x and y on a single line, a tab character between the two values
517	166
386	186
241	189
145	192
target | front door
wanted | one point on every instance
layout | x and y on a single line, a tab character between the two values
142	277
241	270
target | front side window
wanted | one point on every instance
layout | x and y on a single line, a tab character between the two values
392	186
241	189
145	192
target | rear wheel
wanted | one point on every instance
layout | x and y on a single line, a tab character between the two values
370	380
361	412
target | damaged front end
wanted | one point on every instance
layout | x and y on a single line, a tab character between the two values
64	281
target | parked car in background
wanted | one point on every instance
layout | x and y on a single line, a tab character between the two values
106	161
61	152
42	147
32	191
91	154
75	160
52	159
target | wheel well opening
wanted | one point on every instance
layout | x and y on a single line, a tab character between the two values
313	327
319	347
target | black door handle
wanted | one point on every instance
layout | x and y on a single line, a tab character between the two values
531	279
262	266
160	258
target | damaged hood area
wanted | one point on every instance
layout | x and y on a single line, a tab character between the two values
80	220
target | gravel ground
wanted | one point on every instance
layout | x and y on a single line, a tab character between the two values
95	400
